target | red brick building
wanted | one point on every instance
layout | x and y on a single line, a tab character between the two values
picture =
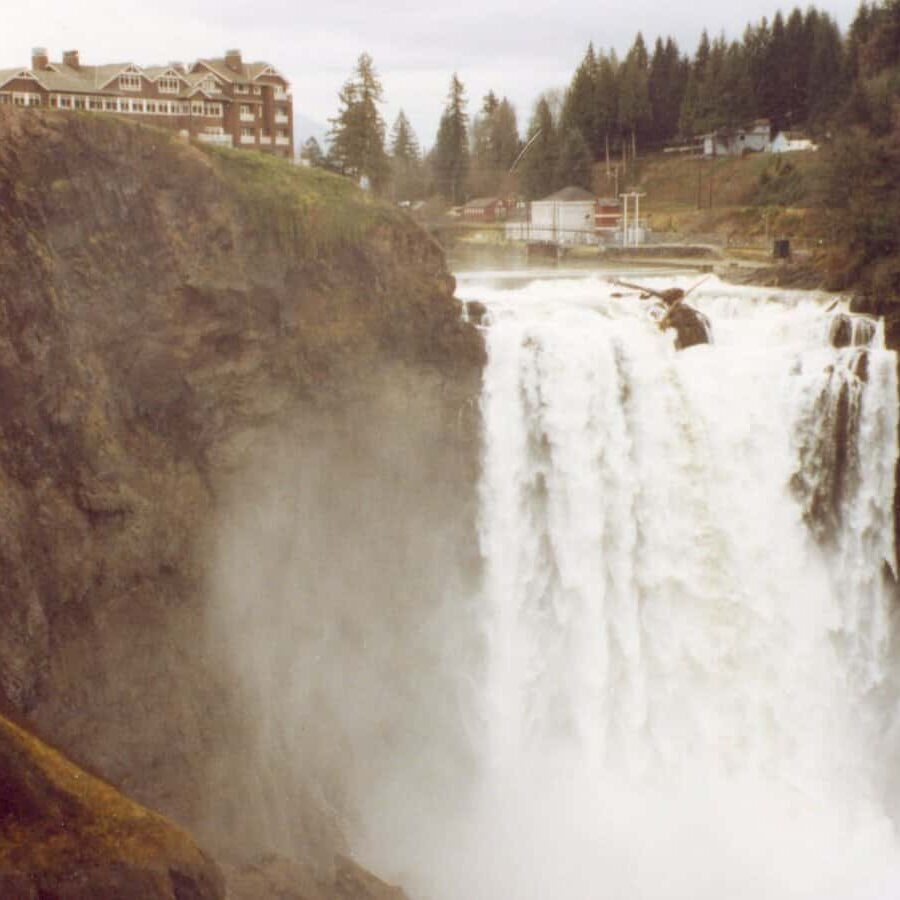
221	101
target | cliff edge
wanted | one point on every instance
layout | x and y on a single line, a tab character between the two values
161	306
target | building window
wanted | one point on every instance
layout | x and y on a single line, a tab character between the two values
241	89
257	89
196	109
137	106
95	104
212	109
80	103
111	105
246	132
130	82
151	106
168	85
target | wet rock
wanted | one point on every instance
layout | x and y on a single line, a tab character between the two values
691	326
476	311
840	333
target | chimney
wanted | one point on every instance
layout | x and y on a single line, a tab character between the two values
70	58
39	58
233	60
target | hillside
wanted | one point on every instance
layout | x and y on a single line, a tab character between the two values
164	312
739	200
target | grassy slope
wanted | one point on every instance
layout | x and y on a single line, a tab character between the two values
741	203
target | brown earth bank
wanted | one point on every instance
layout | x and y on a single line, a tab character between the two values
162	309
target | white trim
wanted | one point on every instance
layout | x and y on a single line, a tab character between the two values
209	68
24	73
270	71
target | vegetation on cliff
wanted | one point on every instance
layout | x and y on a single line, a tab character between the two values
65	832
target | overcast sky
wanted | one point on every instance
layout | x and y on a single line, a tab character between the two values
515	48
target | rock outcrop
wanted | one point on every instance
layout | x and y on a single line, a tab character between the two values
161	306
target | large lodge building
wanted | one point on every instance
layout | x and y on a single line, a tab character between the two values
219	101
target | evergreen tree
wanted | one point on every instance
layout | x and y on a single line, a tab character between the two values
495	145
404	145
692	115
580	107
357	132
311	153
406	162
451	149
606	105
634	94
828	73
539	166
575	163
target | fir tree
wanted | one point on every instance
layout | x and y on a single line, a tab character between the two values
357	132
575	164
539	166
311	153
451	149
580	107
406	161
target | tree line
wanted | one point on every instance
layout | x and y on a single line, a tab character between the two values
798	71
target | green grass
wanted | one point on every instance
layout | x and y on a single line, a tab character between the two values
310	209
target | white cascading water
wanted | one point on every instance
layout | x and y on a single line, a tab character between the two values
688	689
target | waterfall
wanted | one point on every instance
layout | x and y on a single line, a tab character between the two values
688	686
673	672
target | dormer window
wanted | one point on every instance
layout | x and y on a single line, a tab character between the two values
242	89
130	82
168	85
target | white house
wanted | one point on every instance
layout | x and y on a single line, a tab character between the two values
791	141
566	217
753	138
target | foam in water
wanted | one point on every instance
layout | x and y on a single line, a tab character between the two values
688	682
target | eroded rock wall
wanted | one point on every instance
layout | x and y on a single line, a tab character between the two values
162	308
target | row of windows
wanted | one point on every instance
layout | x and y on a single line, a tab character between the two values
249	132
152	107
124	105
246	89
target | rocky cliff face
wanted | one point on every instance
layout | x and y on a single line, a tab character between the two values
162	310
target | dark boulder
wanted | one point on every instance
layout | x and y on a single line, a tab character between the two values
691	326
